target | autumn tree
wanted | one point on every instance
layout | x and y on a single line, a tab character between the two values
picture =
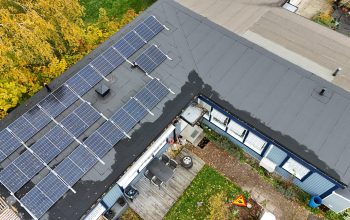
40	39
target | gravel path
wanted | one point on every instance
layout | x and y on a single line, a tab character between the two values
243	175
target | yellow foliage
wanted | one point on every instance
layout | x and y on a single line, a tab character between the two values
218	209
54	69
40	39
10	94
105	27
324	19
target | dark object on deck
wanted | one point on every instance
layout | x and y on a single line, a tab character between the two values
160	170
121	201
102	90
156	181
203	142
47	87
109	214
131	192
149	175
165	158
187	162
172	164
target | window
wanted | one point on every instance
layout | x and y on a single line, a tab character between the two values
219	119
255	143
236	130
295	168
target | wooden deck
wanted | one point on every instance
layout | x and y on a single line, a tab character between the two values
153	203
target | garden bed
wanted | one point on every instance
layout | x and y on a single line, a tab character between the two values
243	169
210	196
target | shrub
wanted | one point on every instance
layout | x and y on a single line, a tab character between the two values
324	19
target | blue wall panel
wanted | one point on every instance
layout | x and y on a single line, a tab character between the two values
315	184
282	172
276	155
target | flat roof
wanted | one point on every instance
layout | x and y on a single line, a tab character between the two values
275	96
297	39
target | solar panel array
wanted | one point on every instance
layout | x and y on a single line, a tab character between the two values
150	59
34	120
28	164
39	199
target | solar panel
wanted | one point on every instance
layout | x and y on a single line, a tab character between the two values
2	156
28	164
74	124
124	120
8	144
12	178
156	55
37	202
90	76
147	98
102	65
134	40
65	96
69	171
59	137
135	109
153	24
145	63
56	140
146	33
124	48
22	128
113	57
87	113
80	161
150	59
37	117
157	89
52	105
83	158
98	144
78	84
110	132
45	149
52	187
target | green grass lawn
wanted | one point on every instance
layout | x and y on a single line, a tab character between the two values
206	184
114	8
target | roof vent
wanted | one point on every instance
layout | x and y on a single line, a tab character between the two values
336	71
102	90
48	89
321	93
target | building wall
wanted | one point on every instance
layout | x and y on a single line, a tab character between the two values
314	182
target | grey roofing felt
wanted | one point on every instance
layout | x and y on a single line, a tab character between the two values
275	96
